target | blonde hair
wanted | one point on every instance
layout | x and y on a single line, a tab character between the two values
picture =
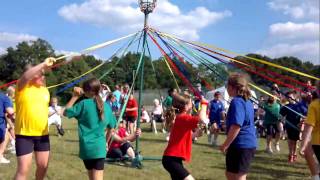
240	83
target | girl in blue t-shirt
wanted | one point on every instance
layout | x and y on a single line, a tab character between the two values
241	141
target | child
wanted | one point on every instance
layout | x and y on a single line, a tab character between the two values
144	116
292	126
179	146
55	115
112	102
271	121
241	141
120	145
216	114
93	117
157	116
312	131
131	113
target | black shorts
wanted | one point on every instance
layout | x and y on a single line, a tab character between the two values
293	134
130	119
119	152
158	117
272	129
28	144
97	164
175	167
238	160
316	150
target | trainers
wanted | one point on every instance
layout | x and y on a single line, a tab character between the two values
164	131
277	147
167	138
3	160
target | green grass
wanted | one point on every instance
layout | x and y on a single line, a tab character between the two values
207	162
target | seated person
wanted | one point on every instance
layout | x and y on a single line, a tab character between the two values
120	143
144	116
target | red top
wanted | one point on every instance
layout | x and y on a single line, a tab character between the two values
180	141
122	133
132	103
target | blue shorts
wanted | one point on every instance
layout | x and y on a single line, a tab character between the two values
3	128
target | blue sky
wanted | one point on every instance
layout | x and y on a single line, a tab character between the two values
271	27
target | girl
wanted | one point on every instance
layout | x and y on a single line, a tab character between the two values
271	121
240	144
179	146
93	116
312	131
216	114
55	115
131	113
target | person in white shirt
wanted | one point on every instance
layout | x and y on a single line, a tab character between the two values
157	116
55	113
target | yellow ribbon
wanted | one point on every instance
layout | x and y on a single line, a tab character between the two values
174	78
77	76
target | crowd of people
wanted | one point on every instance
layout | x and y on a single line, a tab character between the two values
107	124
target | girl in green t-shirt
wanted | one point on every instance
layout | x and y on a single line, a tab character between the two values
93	116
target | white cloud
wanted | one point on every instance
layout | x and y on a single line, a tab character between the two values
8	39
292	30
307	51
125	15
298	9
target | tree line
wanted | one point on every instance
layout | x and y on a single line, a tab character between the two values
157	74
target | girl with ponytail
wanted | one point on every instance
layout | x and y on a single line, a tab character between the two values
241	141
94	117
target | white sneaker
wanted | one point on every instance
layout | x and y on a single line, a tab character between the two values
277	146
164	131
3	160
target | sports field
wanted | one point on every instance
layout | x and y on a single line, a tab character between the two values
207	162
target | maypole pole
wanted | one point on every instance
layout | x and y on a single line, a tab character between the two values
146	6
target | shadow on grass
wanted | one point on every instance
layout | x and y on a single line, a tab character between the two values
266	165
71	140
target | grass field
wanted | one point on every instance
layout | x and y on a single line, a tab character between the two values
207	162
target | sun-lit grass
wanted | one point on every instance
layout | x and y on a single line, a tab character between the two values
207	162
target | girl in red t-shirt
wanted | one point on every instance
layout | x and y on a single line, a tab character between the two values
179	146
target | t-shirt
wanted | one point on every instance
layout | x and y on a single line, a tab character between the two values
272	113
132	103
121	133
157	110
5	103
32	111
55	114
241	113
215	109
167	102
180	141
145	116
302	108
291	117
117	94
313	119
91	129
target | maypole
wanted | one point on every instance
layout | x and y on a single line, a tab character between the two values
146	6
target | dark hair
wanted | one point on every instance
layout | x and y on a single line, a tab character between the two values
217	94
180	101
170	91
110	96
93	85
240	83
